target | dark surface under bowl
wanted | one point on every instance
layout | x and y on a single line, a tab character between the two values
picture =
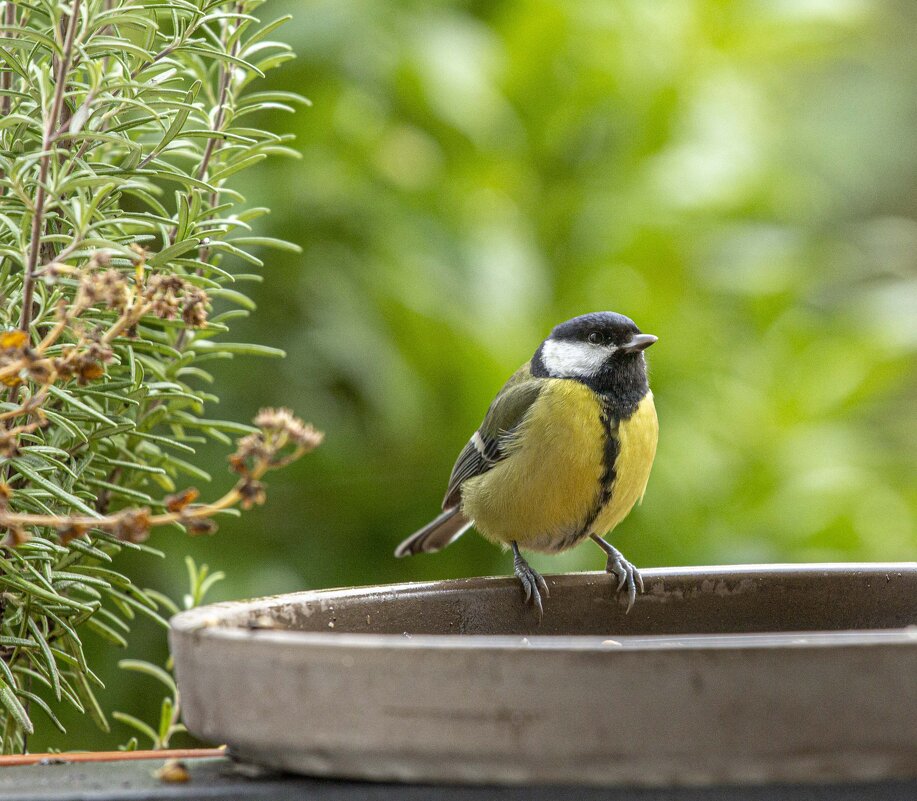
723	674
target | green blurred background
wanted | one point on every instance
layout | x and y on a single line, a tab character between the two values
738	177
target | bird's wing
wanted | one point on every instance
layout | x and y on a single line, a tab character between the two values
487	445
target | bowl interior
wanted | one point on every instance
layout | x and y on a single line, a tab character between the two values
676	601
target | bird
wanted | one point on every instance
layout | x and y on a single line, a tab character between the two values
563	454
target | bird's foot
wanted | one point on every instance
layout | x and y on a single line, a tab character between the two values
533	582
628	575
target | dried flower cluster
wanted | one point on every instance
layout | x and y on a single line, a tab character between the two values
165	296
83	358
171	295
280	438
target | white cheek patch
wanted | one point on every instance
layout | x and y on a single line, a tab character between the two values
574	359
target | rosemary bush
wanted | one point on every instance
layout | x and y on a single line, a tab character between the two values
123	243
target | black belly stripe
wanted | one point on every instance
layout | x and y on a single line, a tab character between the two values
610	456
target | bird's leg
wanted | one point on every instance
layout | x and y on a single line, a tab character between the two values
627	574
532	581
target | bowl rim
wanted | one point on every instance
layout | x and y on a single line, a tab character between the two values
210	621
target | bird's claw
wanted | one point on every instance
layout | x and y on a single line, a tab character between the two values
533	584
627	575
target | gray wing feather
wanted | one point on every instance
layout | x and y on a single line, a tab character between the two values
471	462
488	445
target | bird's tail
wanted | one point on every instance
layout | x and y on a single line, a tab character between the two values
437	534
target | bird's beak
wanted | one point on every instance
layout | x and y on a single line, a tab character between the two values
637	343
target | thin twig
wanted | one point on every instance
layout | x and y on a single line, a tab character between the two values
214	142
6	77
11	519
8	518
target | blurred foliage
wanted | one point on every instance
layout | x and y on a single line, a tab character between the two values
738	177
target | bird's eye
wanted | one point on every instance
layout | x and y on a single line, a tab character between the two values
595	337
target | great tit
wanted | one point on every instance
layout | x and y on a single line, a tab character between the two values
564	452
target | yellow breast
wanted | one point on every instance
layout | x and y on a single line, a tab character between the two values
546	494
549	483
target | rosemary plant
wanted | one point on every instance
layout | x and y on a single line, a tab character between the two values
123	243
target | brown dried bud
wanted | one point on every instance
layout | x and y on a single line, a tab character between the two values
197	526
132	525
89	371
251	448
71	532
40	372
163	291
165	307
109	288
9	444
114	290
85	364
6	492
252	493
194	311
64	368
176	503
16	535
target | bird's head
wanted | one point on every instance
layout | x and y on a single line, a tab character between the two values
598	348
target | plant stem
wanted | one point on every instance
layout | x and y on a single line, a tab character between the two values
6	79
51	124
213	143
